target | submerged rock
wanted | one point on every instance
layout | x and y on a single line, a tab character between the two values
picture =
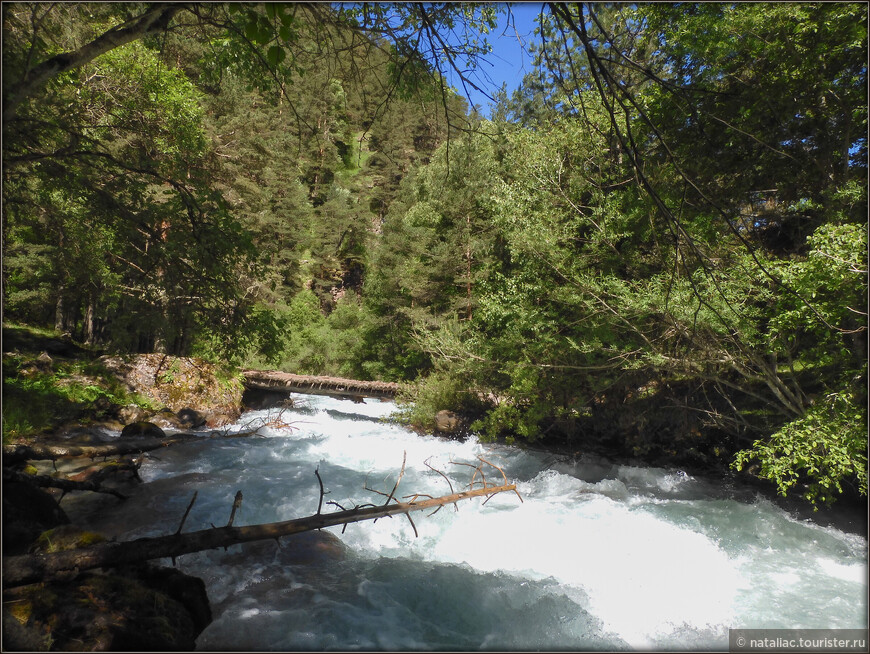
306	548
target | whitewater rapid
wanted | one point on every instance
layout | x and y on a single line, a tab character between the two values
596	556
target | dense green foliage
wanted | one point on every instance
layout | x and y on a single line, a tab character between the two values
658	244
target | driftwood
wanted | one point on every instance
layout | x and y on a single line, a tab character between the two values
32	568
55	451
48	451
66	485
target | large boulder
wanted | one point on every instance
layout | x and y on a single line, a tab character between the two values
179	382
27	512
142	429
448	422
191	418
131	413
186	590
122	611
257	399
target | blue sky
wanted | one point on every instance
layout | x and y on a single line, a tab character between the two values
509	60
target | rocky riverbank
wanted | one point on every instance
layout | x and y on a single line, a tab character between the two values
56	390
152	392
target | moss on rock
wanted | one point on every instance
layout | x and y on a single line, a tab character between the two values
101	612
179	382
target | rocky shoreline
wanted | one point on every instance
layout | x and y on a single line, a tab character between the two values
161	609
138	608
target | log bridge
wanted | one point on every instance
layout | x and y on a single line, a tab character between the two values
273	380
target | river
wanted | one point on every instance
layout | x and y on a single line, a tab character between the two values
596	556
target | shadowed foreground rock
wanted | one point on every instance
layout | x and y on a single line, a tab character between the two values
145	609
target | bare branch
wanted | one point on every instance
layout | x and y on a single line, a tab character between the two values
31	568
184	517
237	504
319	481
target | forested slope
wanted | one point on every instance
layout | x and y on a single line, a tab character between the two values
657	245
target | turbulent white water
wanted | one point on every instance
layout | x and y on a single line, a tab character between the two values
598	556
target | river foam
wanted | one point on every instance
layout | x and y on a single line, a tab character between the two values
596	556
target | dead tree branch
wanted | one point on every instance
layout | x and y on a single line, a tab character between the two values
32	568
53	451
58	450
66	485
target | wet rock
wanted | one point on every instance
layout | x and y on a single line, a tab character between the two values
190	418
119	472
165	419
131	413
214	420
306	548
448	422
311	547
93	434
104	426
186	590
257	399
27	512
142	429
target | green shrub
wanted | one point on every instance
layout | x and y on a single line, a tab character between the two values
823	449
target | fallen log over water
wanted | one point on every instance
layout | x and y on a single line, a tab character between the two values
33	568
275	380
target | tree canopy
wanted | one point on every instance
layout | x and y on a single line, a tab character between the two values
658	244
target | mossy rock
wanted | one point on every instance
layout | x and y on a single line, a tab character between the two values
97	612
178	382
27	512
63	538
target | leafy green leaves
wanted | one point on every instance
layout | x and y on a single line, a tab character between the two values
819	452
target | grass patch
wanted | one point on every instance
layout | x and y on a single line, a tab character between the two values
39	398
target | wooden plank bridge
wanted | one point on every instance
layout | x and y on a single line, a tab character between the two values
273	380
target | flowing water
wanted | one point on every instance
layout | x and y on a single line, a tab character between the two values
596	556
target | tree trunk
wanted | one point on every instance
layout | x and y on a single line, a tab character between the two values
468	267
89	322
66	485
53	451
32	568
59	315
